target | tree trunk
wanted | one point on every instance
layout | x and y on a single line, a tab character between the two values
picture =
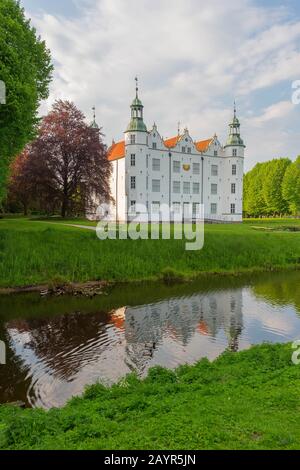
64	208
25	209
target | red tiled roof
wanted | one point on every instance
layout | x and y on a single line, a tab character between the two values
203	145
170	143
203	328
116	151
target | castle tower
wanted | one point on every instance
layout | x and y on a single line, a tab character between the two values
234	170
235	145
136	133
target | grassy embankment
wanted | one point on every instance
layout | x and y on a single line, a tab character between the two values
36	252
248	400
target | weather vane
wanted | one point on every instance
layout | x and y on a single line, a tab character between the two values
137	86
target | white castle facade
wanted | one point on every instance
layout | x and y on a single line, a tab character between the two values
150	174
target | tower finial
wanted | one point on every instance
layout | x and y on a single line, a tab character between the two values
137	86
234	108
94	112
179	124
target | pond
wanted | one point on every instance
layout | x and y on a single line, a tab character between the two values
56	346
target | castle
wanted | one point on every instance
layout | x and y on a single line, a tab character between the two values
149	173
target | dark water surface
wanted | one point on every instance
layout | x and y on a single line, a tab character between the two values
56	346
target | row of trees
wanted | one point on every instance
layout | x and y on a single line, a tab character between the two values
273	189
65	169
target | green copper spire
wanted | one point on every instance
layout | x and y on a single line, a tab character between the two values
234	137
137	123
94	125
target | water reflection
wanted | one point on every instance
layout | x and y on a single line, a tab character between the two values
51	358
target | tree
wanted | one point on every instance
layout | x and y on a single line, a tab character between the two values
291	186
272	188
67	165
19	185
26	70
254	203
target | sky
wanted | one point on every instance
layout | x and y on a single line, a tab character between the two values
193	58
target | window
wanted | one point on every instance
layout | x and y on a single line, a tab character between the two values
156	186
233	188
155	207
213	208
147	161
214	189
186	187
176	187
183	149
196	168
176	167
189	150
132	139
216	153
232	208
214	170
132	207
132	182
176	207
234	152
154	145
196	188
156	164
234	170
132	159
196	208
147	183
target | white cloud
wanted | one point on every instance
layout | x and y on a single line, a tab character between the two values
192	56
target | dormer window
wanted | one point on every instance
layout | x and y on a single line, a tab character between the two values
154	145
183	149
189	150
216	153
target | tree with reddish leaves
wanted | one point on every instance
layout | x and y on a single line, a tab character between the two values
67	166
19	186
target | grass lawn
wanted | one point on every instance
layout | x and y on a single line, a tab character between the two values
246	400
38	252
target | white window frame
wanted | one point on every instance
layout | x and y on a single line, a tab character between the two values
214	189
196	185
132	208
214	170
132	159
156	186
213	208
176	166
196	168
157	205
132	182
155	164
186	187
176	187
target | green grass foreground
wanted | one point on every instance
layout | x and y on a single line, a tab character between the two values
37	252
246	400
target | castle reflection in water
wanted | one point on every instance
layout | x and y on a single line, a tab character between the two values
179	319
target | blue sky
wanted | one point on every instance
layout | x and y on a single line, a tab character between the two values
193	58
